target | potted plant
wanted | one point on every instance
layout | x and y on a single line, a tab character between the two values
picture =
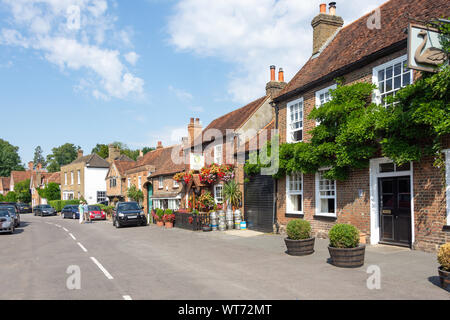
299	241
168	218
158	216
444	261
344	248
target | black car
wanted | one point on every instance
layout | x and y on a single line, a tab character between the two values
24	208
127	214
11	207
70	212
44	210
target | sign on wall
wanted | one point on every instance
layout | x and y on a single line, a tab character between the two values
424	48
197	161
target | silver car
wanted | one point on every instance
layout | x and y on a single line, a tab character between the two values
6	221
14	214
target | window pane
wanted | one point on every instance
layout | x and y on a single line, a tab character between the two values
406	79
381	87
397	82
405	167
381	75
388	85
296	201
397	69
387	167
297	135
389	73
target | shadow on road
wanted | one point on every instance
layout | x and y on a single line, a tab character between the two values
436	281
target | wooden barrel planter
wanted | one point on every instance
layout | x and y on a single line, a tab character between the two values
347	257
300	247
444	277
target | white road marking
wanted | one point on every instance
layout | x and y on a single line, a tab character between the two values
65	230
107	274
72	236
58	225
127	298
82	247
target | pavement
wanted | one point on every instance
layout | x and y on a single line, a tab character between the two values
175	264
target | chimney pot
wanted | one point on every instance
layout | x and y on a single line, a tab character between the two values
281	75
160	145
197	120
272	73
332	8
323	8
192	120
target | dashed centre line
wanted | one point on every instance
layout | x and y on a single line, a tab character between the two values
72	236
82	247
65	230
106	273
127	298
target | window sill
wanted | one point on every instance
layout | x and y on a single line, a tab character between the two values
325	215
294	215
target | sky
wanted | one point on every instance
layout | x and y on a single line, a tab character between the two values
99	71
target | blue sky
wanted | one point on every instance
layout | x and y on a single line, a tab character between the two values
136	71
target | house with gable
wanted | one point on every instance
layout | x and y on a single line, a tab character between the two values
404	206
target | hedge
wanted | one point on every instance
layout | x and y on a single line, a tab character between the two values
58	205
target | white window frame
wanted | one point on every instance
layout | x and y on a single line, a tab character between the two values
290	193
160	182
79	177
289	131
175	184
377	93
140	182
319	197
101	195
447	183
129	183
218	154
65	178
218	199
321	92
72	179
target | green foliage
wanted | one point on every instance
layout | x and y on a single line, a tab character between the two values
206	201
2	198
62	156
135	194
9	159
231	193
159	214
58	205
22	190
298	229
168	211
50	192
39	157
102	150
344	236
11	197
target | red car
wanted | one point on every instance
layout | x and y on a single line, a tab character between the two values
96	213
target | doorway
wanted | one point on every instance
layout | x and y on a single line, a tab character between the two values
395	210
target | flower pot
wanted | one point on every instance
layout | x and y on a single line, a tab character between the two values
159	223
300	247
169	225
444	277
347	257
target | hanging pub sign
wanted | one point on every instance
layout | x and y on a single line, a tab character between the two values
197	161
425	51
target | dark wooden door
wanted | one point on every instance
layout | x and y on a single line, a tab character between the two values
395	210
258	203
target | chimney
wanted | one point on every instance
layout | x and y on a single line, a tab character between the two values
194	130
325	26
141	153
30	166
113	153
160	145
273	86
39	167
80	154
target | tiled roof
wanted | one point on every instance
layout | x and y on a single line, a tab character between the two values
236	118
93	160
356	41
164	164
124	157
54	177
19	176
261	138
123	166
4	183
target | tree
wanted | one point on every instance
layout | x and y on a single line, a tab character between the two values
135	194
51	191
11	197
147	150
102	150
22	190
62	156
39	157
9	159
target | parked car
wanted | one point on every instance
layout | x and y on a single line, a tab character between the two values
96	213
6	221
128	213
105	203
70	212
24	208
13	212
44	210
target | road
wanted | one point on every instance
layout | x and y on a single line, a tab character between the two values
155	263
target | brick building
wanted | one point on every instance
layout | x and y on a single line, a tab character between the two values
357	53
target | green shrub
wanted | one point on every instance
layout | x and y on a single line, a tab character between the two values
444	256
168	211
298	229
344	236
160	214
58	205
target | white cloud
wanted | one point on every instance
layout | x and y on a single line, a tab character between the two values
252	34
132	57
75	42
181	94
